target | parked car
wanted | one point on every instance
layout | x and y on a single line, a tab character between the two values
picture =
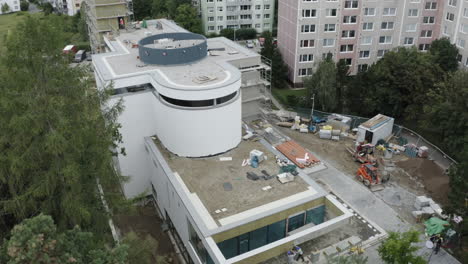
249	44
69	49
80	56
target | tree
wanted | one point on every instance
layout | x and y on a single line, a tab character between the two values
141	251
323	84
398	83
352	259
444	54
342	76
187	17
227	33
47	8
142	9
246	33
447	109
24	5
158	9
279	71
55	142
37	240
5	8
398	249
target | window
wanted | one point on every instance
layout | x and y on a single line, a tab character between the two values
413	12
210	9
364	54
258	238
385	40
424	47
346	48
459	57
295	222
368	26
328	42
220	18
266	16
309	13
429	20
306	57
363	67
389	11
307	43
329	28
220	8
411	28
220	27
245	16
408	41
328	55
231	17
369	11
330	12
450	16
307	28
258	7
465	12
266	7
461	43
351	4
209	1
210	19
431	5
464	28
305	72
349	19
315	215
452	3
348	34
381	53
276	231
266	25
258	16
387	25
231	8
245	7
367	40
348	61
426	33
466	62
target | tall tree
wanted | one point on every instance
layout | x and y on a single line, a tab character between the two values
158	9
323	85
37	240
142	9
5	8
342	73
444	54
446	107
187	17
279	71
55	141
398	249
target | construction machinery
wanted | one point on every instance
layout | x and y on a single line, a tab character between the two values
370	176
363	153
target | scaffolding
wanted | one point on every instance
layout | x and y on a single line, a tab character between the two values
102	17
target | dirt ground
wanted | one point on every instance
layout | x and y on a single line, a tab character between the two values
412	176
146	222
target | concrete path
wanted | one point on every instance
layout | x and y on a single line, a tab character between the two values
367	204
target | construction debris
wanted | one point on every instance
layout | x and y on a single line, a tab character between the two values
285	177
293	151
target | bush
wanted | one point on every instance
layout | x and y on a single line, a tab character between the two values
246	33
83	46
212	35
24	5
227	33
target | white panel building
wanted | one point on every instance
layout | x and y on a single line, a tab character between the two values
14	5
184	98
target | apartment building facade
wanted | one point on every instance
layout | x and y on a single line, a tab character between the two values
13	6
455	27
361	31
220	14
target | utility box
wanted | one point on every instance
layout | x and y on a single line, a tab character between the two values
374	129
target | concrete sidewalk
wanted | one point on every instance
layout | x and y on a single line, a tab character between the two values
366	203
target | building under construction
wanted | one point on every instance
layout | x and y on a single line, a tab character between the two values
106	17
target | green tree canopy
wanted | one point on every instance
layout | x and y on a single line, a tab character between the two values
187	17
398	249
24	5
158	9
37	240
279	71
322	84
5	8
55	142
444	54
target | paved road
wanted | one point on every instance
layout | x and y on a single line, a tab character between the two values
367	204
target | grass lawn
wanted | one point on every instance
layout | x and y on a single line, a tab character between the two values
282	94
8	22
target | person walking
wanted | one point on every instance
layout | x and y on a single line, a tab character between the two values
291	257
299	253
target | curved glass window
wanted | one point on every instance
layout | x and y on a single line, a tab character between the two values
198	103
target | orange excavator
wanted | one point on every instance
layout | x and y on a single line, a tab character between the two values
370	176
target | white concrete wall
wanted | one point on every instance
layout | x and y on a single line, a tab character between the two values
13	4
195	132
138	121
